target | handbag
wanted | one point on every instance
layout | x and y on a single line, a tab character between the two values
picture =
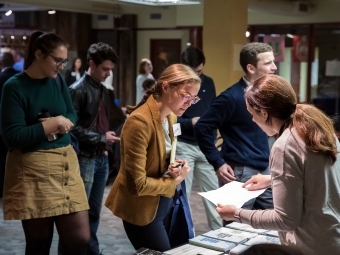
181	226
74	140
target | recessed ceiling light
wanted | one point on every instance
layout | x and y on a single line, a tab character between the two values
163	2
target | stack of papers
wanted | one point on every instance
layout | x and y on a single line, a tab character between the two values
263	239
189	249
238	249
234	238
230	235
246	227
212	243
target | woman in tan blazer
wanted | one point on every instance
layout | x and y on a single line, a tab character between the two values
142	194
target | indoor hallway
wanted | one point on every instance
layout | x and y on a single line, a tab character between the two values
112	237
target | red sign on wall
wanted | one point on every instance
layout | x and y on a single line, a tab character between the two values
278	45
300	48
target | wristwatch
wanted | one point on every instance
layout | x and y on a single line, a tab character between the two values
237	215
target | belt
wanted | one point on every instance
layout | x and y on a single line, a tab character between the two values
99	151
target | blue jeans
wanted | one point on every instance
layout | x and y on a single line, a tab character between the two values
94	172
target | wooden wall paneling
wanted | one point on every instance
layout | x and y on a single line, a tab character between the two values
115	84
44	21
84	36
126	68
65	26
163	53
196	37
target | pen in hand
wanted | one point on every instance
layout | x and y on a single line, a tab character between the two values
178	165
173	166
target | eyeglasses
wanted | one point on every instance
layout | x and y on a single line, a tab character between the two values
59	61
186	97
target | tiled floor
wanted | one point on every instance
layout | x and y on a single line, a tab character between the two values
111	233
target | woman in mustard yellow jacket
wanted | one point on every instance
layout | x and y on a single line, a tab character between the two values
142	194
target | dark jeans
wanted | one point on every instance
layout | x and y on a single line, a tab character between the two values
155	234
94	172
3	155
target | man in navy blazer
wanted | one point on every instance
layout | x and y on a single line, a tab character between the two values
7	71
245	148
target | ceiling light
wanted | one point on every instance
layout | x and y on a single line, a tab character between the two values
290	35
24	37
51	12
247	34
12	37
163	2
8	13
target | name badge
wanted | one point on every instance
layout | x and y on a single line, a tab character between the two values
177	129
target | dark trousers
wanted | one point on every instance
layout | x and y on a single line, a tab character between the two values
3	155
155	234
94	172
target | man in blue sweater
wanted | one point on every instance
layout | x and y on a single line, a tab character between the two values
187	147
245	149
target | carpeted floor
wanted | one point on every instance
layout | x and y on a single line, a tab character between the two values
112	237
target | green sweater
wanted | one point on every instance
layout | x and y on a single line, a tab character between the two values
22	100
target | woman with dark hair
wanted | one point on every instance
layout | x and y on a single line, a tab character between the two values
304	166
142	194
74	73
43	186
145	70
148	83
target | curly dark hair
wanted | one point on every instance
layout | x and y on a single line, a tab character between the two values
100	52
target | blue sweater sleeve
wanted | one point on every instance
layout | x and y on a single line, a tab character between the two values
217	114
186	123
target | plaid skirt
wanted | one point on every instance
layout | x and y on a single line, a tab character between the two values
43	183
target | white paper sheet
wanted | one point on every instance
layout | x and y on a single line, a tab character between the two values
231	194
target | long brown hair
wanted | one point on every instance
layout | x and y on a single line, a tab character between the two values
276	96
175	75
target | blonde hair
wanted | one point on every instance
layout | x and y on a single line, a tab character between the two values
175	75
276	96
